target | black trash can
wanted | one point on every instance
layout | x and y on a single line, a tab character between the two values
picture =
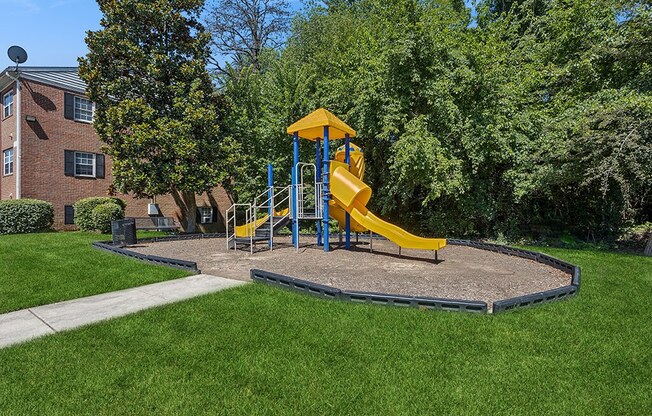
124	232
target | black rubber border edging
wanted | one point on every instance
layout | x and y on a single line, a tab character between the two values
328	292
161	261
538	298
565	292
316	289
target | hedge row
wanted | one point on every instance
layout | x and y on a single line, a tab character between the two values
19	216
96	213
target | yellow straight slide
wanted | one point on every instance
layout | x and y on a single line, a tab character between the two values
352	195
250	228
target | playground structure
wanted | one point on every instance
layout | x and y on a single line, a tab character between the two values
325	190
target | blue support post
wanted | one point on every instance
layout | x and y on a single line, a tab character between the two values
326	188
295	179
318	163
270	195
347	160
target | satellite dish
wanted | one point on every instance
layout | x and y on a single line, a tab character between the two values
17	55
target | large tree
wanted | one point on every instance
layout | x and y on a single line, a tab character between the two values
242	29
156	108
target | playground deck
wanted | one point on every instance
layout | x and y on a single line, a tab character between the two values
461	272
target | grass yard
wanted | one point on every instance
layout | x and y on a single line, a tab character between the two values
258	350
37	269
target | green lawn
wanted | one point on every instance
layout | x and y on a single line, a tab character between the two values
259	350
37	269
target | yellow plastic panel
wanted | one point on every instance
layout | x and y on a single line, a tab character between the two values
336	212
357	159
347	188
311	127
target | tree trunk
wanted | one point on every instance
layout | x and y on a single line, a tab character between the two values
188	210
648	247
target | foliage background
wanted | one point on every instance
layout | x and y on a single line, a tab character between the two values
530	119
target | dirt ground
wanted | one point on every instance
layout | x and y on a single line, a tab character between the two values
461	272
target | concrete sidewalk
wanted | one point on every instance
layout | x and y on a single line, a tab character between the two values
26	324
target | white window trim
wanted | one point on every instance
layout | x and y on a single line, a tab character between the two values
10	106
203	217
94	165
12	163
74	109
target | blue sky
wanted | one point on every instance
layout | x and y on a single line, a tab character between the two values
53	31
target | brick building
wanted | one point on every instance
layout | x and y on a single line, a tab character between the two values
50	150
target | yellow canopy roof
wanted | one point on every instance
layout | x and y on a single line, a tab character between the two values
311	127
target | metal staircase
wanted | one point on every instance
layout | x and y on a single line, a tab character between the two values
258	225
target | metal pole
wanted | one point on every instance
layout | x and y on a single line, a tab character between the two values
327	192
227	230
318	163
371	241
295	220
17	143
252	230
270	202
347	160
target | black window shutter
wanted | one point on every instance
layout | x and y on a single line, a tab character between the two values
69	214
214	220
99	166
198	220
68	106
69	163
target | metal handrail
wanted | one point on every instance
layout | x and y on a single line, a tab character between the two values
251	214
265	193
286	199
233	217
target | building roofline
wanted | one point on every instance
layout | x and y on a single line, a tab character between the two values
42	69
24	72
60	85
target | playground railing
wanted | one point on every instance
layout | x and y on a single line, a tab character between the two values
231	218
279	200
271	200
310	206
282	199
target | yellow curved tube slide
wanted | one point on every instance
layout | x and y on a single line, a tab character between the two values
352	195
336	212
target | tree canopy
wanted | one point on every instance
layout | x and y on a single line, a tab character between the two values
156	107
537	120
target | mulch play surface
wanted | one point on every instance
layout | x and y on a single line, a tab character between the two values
461	272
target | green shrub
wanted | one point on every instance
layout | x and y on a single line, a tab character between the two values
84	213
18	216
105	213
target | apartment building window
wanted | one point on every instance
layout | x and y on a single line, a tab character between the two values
85	164
8	161
8	104
78	108
83	109
205	215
